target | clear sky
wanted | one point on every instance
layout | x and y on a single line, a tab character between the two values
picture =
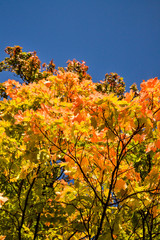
120	36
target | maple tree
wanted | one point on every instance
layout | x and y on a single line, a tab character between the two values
79	160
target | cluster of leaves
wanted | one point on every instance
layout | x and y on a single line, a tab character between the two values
79	68
26	65
112	84
77	163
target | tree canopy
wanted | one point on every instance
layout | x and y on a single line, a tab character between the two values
79	160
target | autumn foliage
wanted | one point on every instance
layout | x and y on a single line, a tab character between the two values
79	160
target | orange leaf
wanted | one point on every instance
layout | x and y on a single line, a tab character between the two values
121	184
158	143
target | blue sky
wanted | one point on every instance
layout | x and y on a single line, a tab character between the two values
110	35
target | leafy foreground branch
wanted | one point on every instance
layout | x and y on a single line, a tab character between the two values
79	160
